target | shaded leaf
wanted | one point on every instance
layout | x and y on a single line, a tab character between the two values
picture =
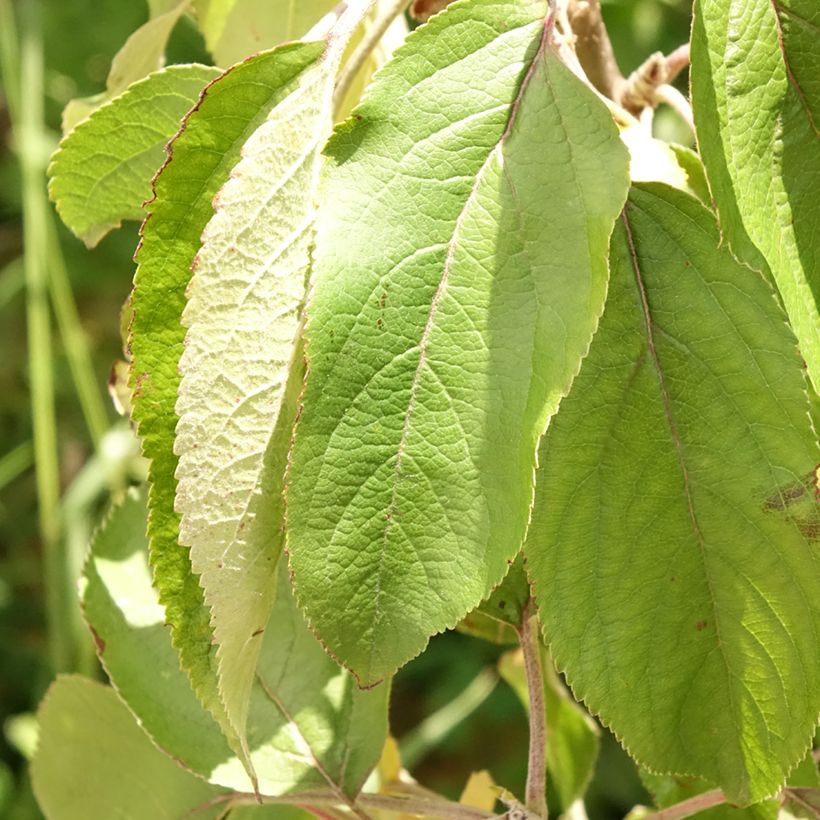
670	549
441	269
93	760
319	714
756	98
101	173
508	600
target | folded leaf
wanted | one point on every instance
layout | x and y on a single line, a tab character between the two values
756	97
242	368
460	269
93	760
671	544
201	157
101	173
309	725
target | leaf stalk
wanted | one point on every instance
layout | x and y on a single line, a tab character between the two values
535	794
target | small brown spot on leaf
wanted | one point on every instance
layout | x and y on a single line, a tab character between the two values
810	528
784	497
700	626
257	632
380	324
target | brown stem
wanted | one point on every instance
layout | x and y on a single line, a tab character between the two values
676	61
536	789
398	804
594	48
689	807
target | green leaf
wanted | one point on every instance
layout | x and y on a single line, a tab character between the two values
670	545
572	736
142	54
668	789
202	155
101	173
319	713
435	351
134	644
242	370
695	173
234	29
756	98
93	761
506	603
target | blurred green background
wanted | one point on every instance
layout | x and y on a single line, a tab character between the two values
79	39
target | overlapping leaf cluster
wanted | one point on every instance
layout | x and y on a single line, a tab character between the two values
448	341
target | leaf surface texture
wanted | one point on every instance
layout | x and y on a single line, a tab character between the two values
102	172
459	275
242	370
756	98
201	158
671	543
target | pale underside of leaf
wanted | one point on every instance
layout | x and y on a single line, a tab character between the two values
670	548
200	160
101	173
309	726
756	98
242	369
450	310
235	409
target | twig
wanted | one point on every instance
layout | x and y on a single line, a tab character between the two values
399	804
689	807
677	102
676	61
369	41
536	788
594	48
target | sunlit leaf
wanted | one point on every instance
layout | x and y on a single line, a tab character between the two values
101	173
242	369
202	156
756	97
460	269
142	54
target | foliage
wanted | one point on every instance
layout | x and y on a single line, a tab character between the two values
453	342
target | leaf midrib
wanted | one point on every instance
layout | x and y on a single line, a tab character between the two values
678	444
